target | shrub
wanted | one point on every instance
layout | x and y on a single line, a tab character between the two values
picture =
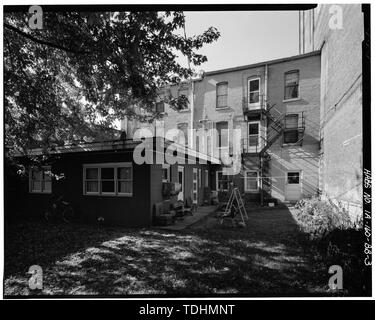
335	239
317	217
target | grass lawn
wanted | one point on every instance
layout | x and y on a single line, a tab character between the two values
267	258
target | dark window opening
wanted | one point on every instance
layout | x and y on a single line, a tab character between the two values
160	107
291	128
293	177
291	85
222	95
254	91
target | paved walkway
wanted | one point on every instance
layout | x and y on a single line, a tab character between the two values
201	213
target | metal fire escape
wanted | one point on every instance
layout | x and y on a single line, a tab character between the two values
276	126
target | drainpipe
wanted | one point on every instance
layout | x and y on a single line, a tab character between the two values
265	132
266	83
191	144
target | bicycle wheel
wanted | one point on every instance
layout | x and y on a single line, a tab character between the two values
68	214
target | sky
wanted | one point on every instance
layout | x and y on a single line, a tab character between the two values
246	37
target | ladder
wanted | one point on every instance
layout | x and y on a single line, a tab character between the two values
235	201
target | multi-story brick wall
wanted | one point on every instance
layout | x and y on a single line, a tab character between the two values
341	98
302	157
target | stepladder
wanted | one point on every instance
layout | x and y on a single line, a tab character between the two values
234	208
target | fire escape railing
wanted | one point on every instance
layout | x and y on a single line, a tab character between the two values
277	125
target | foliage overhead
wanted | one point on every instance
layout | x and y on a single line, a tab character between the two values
82	67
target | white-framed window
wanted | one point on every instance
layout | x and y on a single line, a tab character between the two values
112	179
291	85
253	88
166	173
251	181
291	128
221	95
40	180
206	178
223	134
253	133
222	181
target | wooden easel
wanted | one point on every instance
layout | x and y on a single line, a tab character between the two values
235	203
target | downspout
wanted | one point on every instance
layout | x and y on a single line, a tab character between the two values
191	144
265	131
299	32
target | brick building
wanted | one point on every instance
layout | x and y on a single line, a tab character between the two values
293	125
337	31
276	107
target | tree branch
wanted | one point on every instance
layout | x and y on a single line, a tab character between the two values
42	42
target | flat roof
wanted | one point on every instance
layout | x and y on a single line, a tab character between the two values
258	64
112	145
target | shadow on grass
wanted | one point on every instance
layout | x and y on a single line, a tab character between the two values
266	258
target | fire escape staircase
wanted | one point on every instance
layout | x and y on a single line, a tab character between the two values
276	126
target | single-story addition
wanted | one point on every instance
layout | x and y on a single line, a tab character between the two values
102	180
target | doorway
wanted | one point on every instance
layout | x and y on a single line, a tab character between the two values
293	186
181	180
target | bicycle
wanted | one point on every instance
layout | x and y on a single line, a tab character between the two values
59	210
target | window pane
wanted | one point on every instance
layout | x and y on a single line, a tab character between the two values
291	92
291	136
36	174
251	184
293	177
91	173
222	101
291	85
108	173
253	140
92	186
291	78
254	85
47	174
47	186
222	89
124	173
251	174
254	128
251	180
124	186
160	106
291	121
254	97
108	186
36	185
